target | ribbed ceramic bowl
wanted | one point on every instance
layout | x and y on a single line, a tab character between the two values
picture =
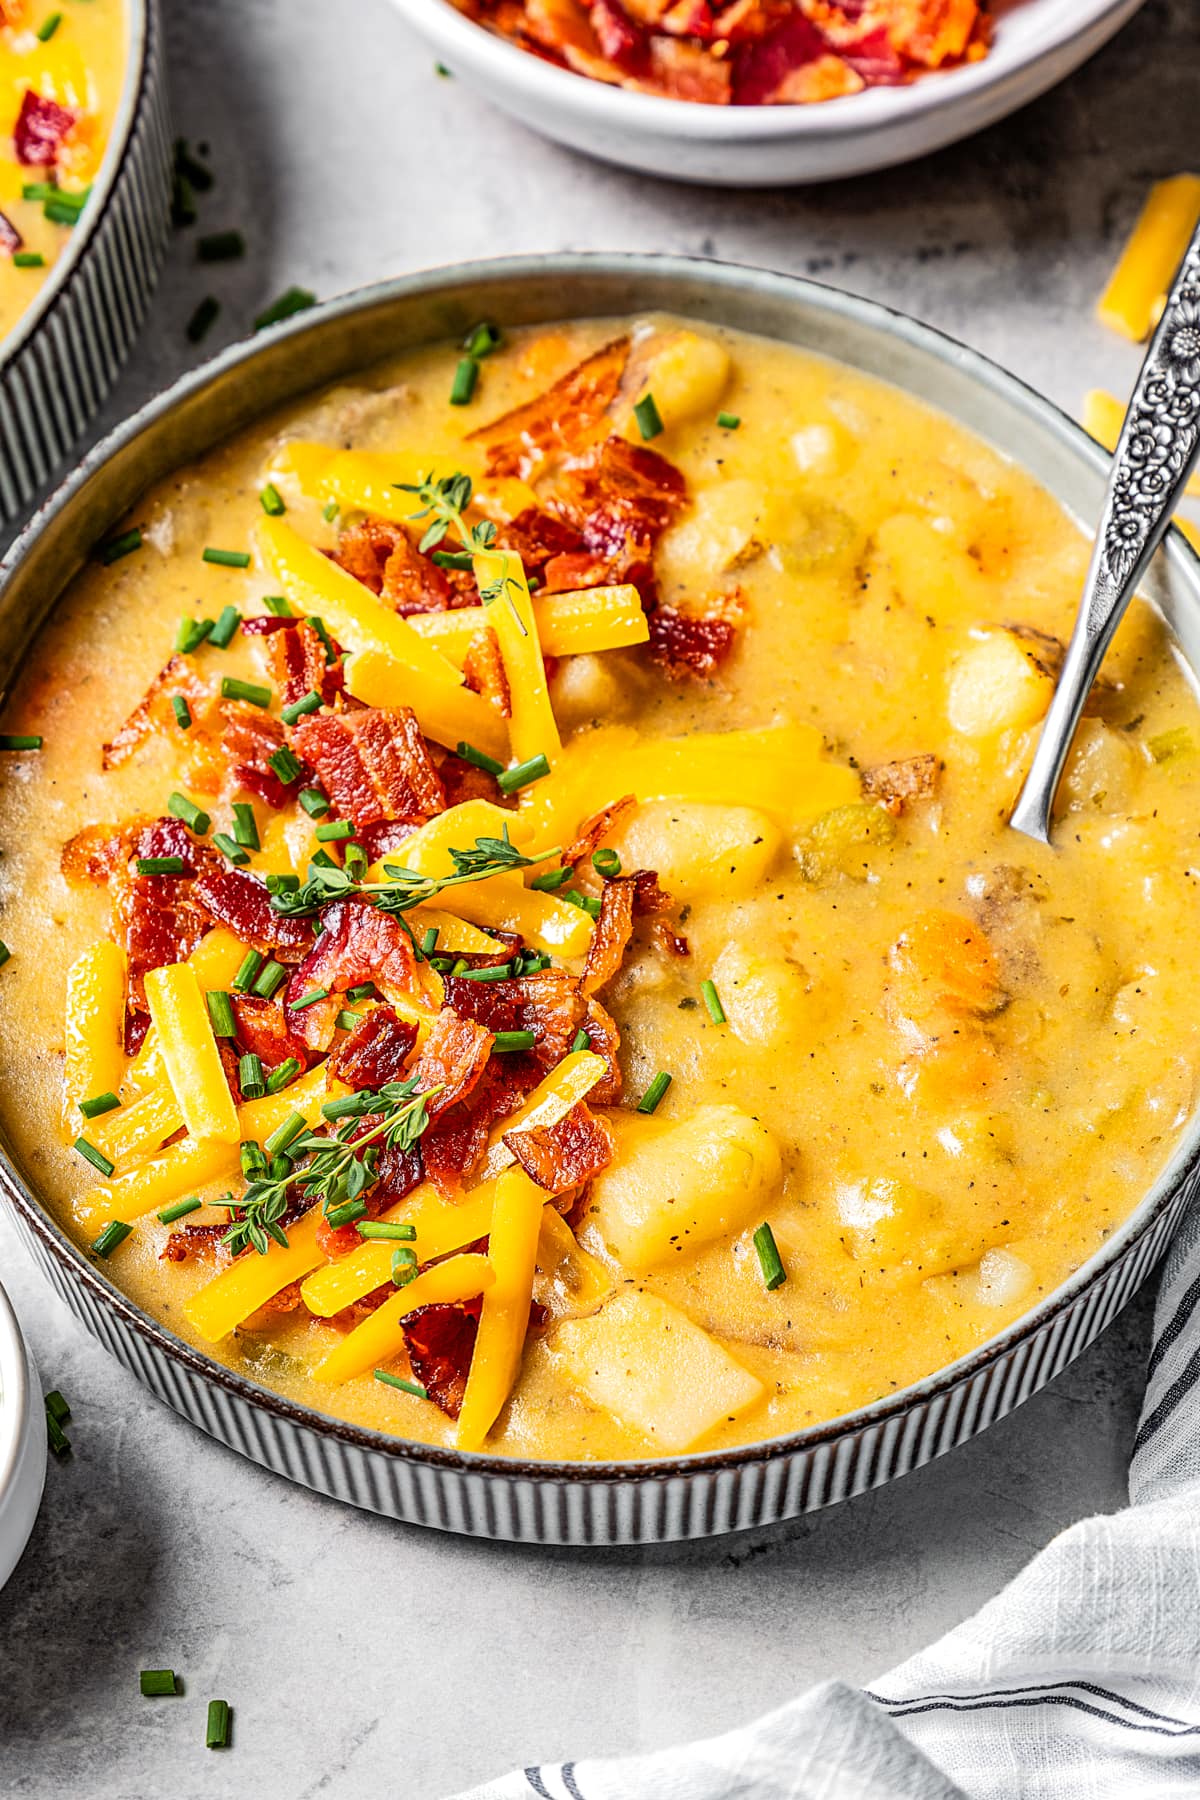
1038	43
586	1503
22	1441
62	356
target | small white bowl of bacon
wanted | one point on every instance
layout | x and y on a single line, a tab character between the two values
747	93
22	1441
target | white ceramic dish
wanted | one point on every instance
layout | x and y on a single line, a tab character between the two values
1038	43
22	1441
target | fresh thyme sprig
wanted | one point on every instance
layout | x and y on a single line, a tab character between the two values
404	888
444	502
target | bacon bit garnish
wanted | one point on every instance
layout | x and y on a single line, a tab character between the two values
464	781
604	1040
452	1060
483	671
373	764
672	942
610	938
549	1004
384	558
232	749
453	1146
389	834
241	902
192	1240
536	536
41	127
153	711
263	1032
375	1051
562	421
441	1341
593	831
694	643
618	495
648	897
287	1300
296	660
565	1155
156	916
10	237
356	943
896	785
92	854
266	625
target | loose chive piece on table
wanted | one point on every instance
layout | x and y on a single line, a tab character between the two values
203	319
223	631
232	688
294	300
480	758
117	547
160	865
180	1209
98	1104
245	825
158	1681
769	1261
534	768
191	634
230	850
285	765
225	559
387	1228
220	1011
266	985
272	502
398	1381
654	1093
712	1000
728	421
248	969
180	807
513	1040
278	606
280	1076
463	385
216	1730
404	1265
308	703
56	1437
310	999
220	246
114	1233
314	802
28	259
182	711
57	1408
17	740
648	417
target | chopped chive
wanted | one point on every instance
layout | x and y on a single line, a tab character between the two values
347	1020
182	711
180	1209
334	831
98	1104
712	1000
5	953
220	246
282	1075
245	826
392	1229
551	879
118	547
28	259
114	1234
158	1681
282	884
606	863
366	990
648	417
248	969
203	319
288	767
313	801
769	1261
280	1167
463	385
349	1106
398	1381
198	173
48	28
323	860
64	209
581	1041
223	631
266	985
310	999
233	689
220	1011
481	759
216	1730
654	1093
225	559
15	740
585	902
534	768
278	606
498	972
309	703
250	1156
191	634
56	1437
728	421
404	1266
346	1213
39	190
429	941
285	1134
56	1405
513	1040
289	303
319	626
329	511
232	851
460	967
193	816
160	865
454	559
482	339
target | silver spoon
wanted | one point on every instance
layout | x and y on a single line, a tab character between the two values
1158	449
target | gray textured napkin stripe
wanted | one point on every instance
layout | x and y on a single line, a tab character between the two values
1081	1681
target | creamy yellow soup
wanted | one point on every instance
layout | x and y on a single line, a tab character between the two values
62	67
920	1068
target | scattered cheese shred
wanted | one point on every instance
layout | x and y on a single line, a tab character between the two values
512	1253
189	1050
381	1336
135	1130
1132	302
569	624
446	711
532	728
251	1280
95	1058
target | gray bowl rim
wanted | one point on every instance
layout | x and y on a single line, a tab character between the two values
873	316
53	290
15	1395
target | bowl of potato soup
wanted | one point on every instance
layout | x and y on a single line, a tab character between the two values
523	1008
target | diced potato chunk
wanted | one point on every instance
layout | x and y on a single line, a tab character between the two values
766	999
894	1223
726	527
645	1362
997	685
687	377
698	848
672	1187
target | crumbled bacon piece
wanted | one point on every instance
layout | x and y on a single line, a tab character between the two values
384	837
693	643
559	422
381	555
373	764
296	659
232	749
454	1144
896	785
611	934
356	943
452	1060
604	1040
241	902
536	536
41	127
549	1004
10	237
156	916
263	1032
483	671
464	781
375	1051
593	831
618	496
564	1155
441	1340
648	896
153	711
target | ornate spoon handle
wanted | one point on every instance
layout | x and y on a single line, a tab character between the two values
1154	458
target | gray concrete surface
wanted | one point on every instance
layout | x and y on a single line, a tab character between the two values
365	1658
